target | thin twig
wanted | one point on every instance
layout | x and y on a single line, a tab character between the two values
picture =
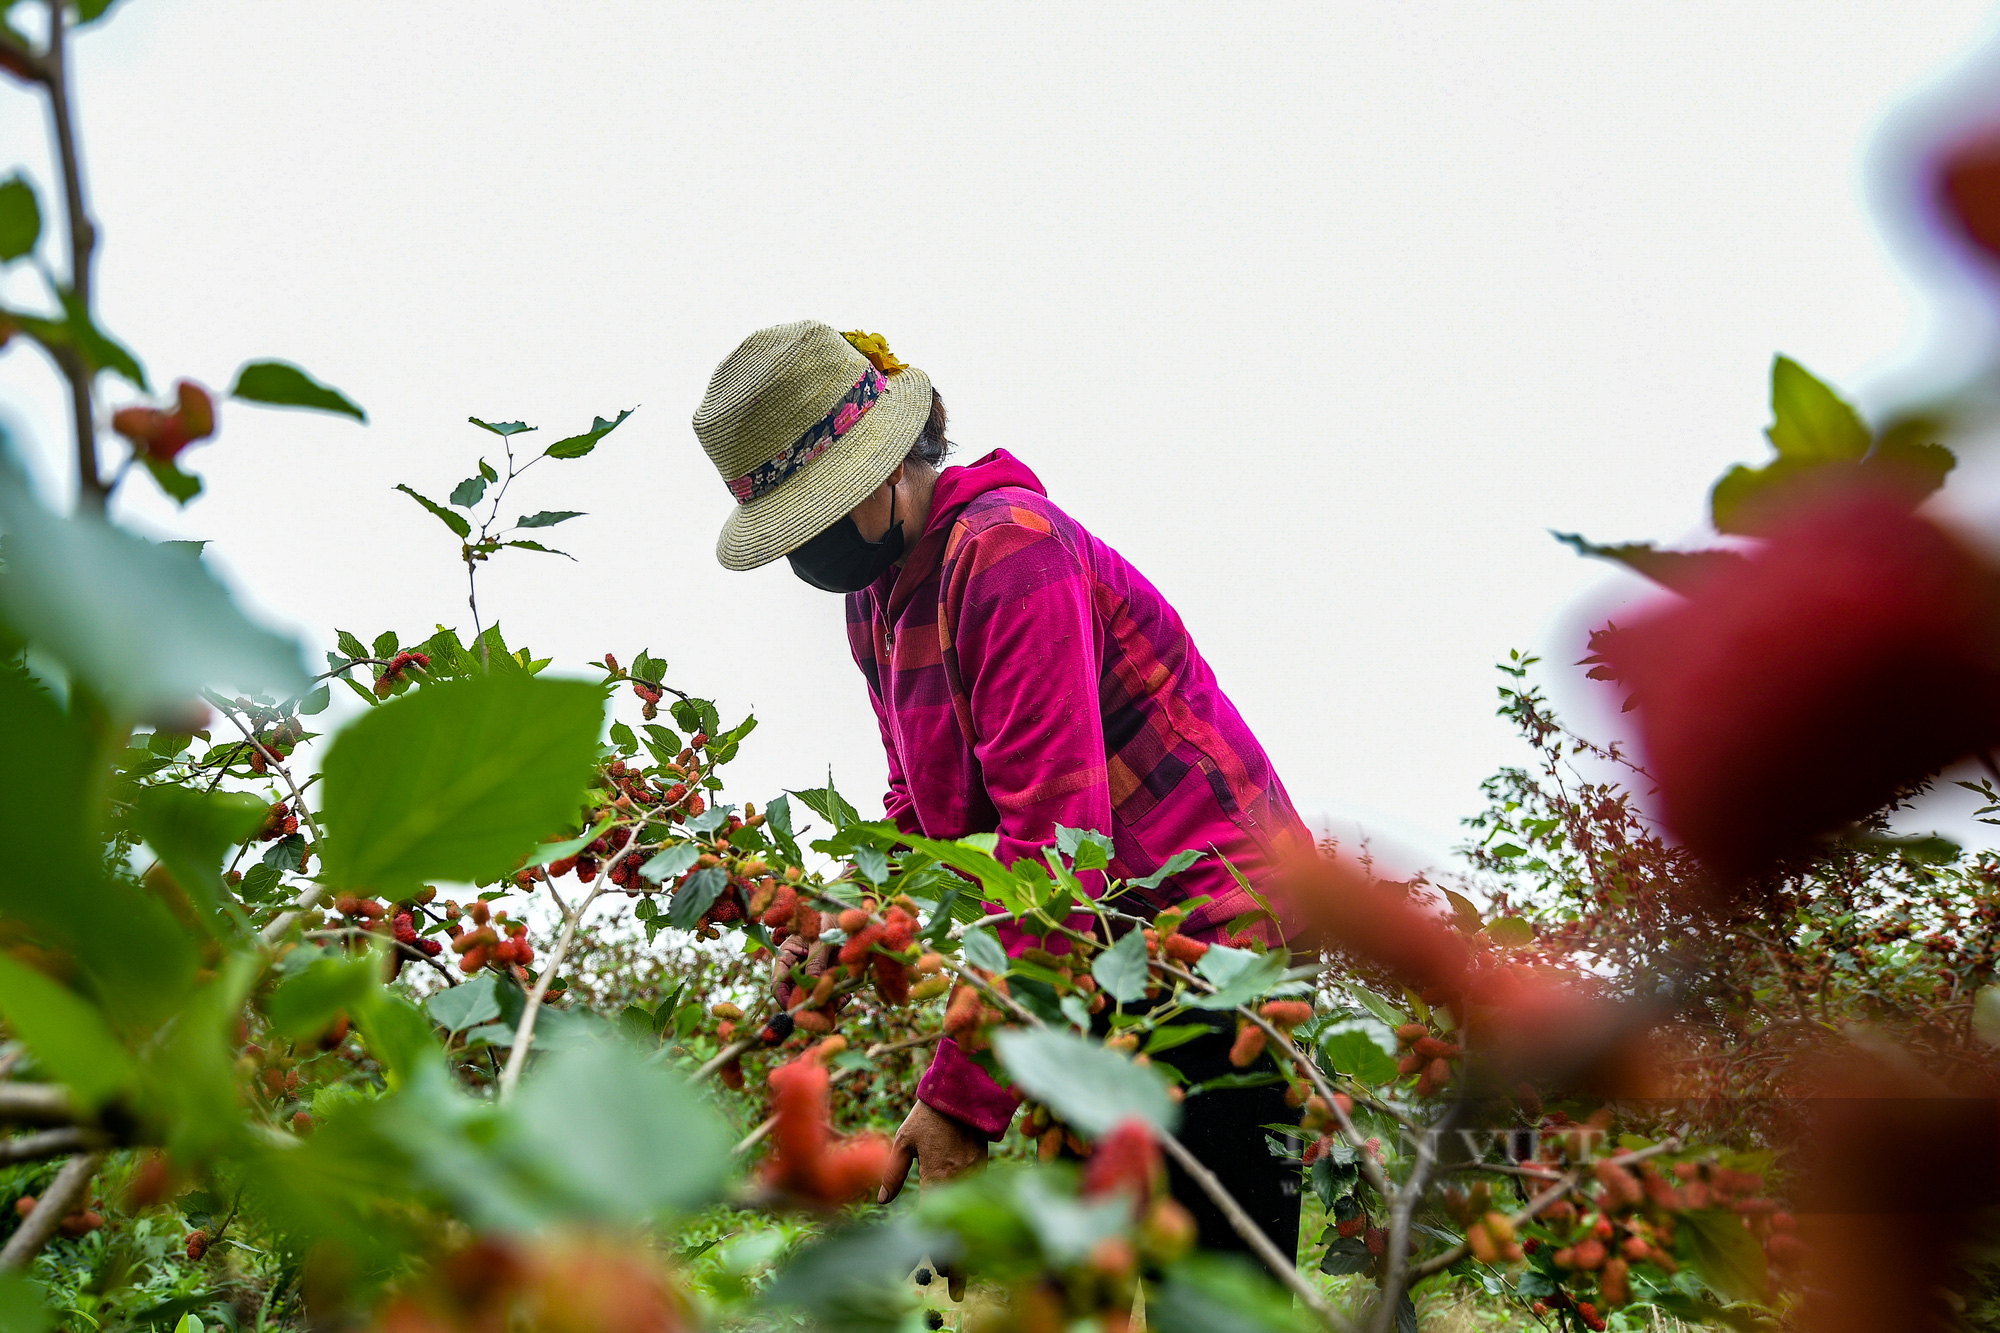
524	1035
1285	1269
64	1196
992	992
236	1203
1371	1170
50	1143
54	69
315	891
1397	1253
37	1104
735	1050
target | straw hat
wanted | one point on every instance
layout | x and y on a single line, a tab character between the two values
802	426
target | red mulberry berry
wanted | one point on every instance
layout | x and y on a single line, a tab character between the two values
1249	1045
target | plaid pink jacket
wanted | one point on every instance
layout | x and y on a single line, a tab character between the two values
1025	676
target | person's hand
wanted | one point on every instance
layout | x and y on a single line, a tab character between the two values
941	1146
793	952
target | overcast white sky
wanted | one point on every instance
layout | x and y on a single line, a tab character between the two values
1321	314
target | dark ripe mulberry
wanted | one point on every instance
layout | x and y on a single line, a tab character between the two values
586	869
779	1028
430	948
892	981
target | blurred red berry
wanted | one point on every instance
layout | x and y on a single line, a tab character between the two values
1968	187
161	435
1855	654
196	410
1126	1159
806	1161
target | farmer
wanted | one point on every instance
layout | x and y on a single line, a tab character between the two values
1024	676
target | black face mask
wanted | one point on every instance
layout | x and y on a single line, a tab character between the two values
842	560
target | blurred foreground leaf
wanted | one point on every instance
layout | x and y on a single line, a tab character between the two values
136	955
146	628
191	830
846	1263
616	1138
64	1030
1085	1084
457	780
1223	1294
1716	1244
21	1306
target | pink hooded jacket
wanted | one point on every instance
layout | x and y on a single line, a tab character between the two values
1025	676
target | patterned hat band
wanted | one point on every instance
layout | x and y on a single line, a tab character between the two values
773	473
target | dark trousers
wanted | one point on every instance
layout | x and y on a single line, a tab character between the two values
1223	1129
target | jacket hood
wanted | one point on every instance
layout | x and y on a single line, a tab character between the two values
958	487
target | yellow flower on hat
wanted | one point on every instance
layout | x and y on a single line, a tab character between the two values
876	348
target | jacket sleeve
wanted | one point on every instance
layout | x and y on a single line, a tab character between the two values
1025	655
